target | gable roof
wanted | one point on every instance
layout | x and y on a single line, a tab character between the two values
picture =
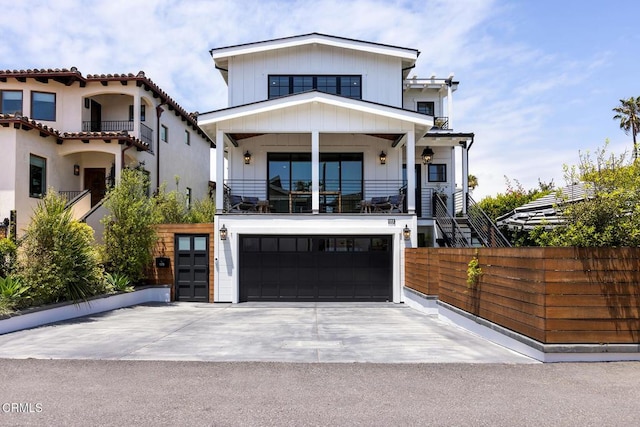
70	76
309	97
221	55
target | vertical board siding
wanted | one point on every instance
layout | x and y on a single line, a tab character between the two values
165	248
554	295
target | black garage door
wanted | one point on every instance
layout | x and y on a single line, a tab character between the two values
315	268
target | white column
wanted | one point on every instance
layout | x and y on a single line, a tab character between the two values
315	171
219	171
450	102
118	165
465	176
411	172
136	117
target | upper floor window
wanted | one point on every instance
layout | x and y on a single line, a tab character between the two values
11	102
348	86
164	133
37	176
142	113
427	108
437	172
187	137
43	106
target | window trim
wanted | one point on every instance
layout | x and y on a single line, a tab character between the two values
444	168
164	133
55	109
21	101
314	85
433	107
43	183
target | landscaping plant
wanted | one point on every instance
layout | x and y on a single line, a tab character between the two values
118	282
13	292
8	250
57	258
128	227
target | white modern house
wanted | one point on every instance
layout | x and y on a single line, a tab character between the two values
334	156
75	133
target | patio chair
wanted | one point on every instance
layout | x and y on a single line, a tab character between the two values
379	204
396	203
249	204
234	203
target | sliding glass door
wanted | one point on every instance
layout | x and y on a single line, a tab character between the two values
289	180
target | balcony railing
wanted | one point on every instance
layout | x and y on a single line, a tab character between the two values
335	196
107	126
441	123
146	135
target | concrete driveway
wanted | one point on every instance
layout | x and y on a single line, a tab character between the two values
274	332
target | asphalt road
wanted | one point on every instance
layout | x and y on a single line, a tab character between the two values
118	393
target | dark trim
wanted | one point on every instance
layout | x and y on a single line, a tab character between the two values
417	52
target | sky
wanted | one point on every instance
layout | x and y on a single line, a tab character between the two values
538	78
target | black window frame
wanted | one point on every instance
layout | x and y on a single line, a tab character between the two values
142	112
297	83
187	137
41	179
442	172
2	92
38	116
428	104
164	133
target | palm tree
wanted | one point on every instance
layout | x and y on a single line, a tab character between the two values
473	182
628	112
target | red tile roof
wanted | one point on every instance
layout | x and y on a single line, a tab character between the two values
25	123
72	75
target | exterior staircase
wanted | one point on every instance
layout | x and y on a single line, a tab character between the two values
473	229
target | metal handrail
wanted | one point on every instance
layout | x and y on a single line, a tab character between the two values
448	225
484	228
107	126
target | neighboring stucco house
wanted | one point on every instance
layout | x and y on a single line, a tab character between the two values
330	155
73	133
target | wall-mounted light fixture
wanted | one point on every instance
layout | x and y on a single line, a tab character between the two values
247	157
427	155
383	158
406	232
76	170
223	233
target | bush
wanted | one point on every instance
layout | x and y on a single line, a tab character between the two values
169	207
8	251
13	292
129	236
202	211
118	282
57	258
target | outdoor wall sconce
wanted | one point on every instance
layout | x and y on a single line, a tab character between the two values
427	155
223	233
406	232
383	158
76	170
247	157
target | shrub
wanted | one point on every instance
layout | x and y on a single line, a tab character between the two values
169	207
13	292
118	282
202	211
8	251
129	235
57	258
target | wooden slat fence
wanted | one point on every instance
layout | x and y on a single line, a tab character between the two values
554	295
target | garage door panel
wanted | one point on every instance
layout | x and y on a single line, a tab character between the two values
315	268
